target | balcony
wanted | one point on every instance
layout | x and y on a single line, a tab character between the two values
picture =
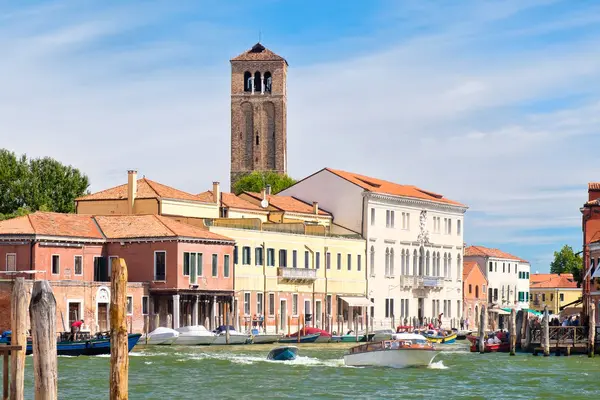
435	282
297	275
407	281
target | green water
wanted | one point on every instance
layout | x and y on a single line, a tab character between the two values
242	372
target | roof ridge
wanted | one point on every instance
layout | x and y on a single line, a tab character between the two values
165	225
98	226
149	183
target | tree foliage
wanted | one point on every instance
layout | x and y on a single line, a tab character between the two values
567	262
28	185
257	180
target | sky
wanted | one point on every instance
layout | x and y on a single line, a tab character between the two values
495	104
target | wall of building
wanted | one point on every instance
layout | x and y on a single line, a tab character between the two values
554	298
42	261
102	207
189	209
474	296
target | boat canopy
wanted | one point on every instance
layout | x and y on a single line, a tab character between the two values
357	301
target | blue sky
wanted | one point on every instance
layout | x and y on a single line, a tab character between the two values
493	103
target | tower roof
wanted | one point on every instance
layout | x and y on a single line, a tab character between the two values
258	52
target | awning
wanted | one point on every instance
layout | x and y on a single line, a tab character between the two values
357	301
499	311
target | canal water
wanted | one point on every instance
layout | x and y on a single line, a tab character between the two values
242	372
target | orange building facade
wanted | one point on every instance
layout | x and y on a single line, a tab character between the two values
474	292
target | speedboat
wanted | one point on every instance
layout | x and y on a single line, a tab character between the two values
194	335
440	336
162	336
405	350
264	338
235	337
283	353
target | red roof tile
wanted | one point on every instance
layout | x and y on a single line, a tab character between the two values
288	203
52	224
258	52
540	281
380	186
230	200
594	186
487	252
146	189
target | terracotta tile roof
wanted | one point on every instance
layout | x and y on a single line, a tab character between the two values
146	189
468	267
594	186
487	252
539	281
380	186
258	52
52	224
230	200
150	226
288	203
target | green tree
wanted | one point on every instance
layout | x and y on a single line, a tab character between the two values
257	180
566	261
37	184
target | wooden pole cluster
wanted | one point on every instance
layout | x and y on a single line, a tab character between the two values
482	325
119	351
528	325
513	331
18	338
546	332
592	330
42	310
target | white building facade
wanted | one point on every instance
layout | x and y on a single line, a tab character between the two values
414	243
508	276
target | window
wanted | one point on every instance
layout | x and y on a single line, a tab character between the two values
192	268
491	266
215	266
349	262
283	258
503	267
259	303
495	266
372	216
372	308
144	305
328	260
236	260
387	263
458	227
405	220
509	268
458	310
392	262
317	260
551	296
226	266
186	264
78	267
160	265
543	296
372	261
561	296
258	256
270	257
295	304
339	261
306	260
328	304
11	262
392	218
476	290
470	288
246	255
449	231
294	259
129	305
271	303
495	294
199	264
110	263
389	308
55	264
358	263
387	218
247	303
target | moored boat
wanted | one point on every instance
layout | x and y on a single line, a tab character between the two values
303	339
408	350
439	337
491	348
235	337
162	336
264	338
194	335
283	353
324	336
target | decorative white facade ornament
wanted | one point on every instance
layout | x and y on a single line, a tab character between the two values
103	295
423	237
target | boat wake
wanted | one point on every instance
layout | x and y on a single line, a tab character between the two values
248	360
437	365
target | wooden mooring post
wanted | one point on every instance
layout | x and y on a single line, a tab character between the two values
546	332
119	351
18	319
592	330
512	334
42	310
482	325
226	312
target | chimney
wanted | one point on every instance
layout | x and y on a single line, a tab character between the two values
268	189
316	207
131	190
217	193
263	194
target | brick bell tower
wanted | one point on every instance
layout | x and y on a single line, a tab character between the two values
258	112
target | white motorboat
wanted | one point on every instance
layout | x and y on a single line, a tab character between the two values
162	336
265	338
381	334
405	350
235	337
194	335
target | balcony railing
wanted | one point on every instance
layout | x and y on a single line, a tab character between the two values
297	274
421	281
407	281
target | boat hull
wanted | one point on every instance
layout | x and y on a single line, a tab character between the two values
92	347
284	353
265	339
303	339
492	348
194	340
391	358
161	340
233	339
442	340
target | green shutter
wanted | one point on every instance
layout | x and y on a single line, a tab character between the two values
192	268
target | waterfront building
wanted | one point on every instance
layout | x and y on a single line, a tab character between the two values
175	270
553	290
474	292
590	221
414	240
507	275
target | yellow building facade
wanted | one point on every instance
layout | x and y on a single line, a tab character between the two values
554	291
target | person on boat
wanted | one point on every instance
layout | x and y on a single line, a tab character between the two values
75	329
430	326
440	320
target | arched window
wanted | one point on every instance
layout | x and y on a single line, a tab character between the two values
402	263
257	82
415	263
445	265
268	82
372	261
470	288
458	267
476	291
449	266
247	81
407	255
421	261
439	264
392	262
427	264
387	262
